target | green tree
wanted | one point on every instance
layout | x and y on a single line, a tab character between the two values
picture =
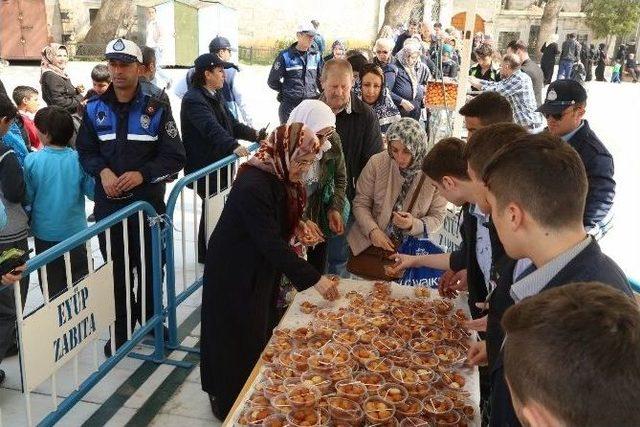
612	17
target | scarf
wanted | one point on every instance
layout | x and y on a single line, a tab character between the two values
413	136
285	145
385	109
49	61
316	115
403	58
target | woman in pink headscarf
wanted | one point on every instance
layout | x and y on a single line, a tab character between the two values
248	253
56	86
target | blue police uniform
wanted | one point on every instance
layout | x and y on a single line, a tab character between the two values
295	76
142	136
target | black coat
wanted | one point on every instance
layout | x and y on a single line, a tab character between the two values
598	163
59	91
209	133
588	266
570	50
465	257
361	138
548	61
248	252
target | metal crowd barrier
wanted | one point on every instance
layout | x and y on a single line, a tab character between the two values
71	303
189	266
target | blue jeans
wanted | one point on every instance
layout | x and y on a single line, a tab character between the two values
338	252
564	69
615	78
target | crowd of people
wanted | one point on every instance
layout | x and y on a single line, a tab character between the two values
348	168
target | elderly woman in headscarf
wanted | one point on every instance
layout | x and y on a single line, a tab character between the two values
386	188
374	92
56	86
326	182
550	52
248	253
408	89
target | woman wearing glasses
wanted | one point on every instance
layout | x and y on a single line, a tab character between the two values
248	253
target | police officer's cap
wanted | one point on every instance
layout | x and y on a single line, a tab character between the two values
123	50
207	61
562	94
220	43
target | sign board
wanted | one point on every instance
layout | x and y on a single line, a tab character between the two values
449	237
57	332
215	204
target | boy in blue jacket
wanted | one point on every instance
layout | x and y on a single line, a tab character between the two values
56	189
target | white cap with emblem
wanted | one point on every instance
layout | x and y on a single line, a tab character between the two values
123	50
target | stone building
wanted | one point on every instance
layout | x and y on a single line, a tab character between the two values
507	20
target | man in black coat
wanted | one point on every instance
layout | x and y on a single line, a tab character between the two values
412	30
564	109
359	130
525	181
209	132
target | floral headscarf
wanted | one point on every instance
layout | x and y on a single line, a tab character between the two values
414	137
49	61
285	145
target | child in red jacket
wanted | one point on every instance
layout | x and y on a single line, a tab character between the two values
26	99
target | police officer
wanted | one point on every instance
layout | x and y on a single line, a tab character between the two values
295	73
129	142
564	108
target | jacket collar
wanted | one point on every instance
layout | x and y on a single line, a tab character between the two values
312	49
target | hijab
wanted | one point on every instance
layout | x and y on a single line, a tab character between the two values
412	134
385	109
287	144
49	61
410	47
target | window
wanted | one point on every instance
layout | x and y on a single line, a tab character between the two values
92	15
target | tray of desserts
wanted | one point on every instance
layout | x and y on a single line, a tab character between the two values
383	355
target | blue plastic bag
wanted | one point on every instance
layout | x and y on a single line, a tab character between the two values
420	276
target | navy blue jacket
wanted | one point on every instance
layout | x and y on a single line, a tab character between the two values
590	265
295	75
137	136
598	163
403	89
390	71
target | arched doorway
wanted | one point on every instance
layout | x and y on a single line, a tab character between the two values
458	22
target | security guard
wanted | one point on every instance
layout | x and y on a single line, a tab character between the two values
129	142
295	73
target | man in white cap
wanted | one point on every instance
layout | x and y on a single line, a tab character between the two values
295	73
129	142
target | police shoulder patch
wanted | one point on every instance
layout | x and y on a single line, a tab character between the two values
171	129
276	65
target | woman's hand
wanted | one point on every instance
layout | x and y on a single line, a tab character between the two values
335	221
451	283
381	240
308	233
402	220
406	105
327	288
402	262
13	276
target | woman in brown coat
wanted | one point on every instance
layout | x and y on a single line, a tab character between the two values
385	189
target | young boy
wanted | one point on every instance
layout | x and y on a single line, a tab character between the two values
101	79
572	357
14	234
26	98
486	109
56	188
536	190
480	252
615	76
